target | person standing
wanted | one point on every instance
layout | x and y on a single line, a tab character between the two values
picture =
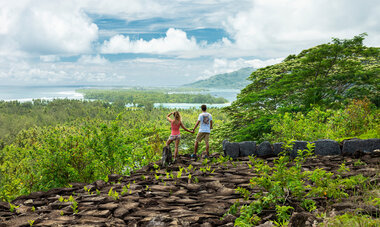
205	121
175	135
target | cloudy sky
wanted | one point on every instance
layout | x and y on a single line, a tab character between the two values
165	42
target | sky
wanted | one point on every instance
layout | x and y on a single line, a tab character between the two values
165	42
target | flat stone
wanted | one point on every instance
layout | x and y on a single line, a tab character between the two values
226	191
180	192
186	201
163	188
214	185
160	193
238	180
115	177
5	214
193	187
99	184
158	221
148	201
301	219
24	209
59	191
343	205
58	205
143	213
124	209
171	199
51	222
96	213
214	210
33	195
190	219
182	211
77	185
39	203
29	202
108	206
95	199
93	220
4	206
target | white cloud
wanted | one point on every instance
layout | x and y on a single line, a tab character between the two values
174	41
280	27
127	9
45	27
258	29
49	58
88	59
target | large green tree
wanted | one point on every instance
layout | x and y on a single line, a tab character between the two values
327	75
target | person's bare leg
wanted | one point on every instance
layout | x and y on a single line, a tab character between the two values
195	147
176	149
168	142
207	148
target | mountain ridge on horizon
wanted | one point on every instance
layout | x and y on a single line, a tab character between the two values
236	79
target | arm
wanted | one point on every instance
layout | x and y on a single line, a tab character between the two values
196	125
187	130
211	124
168	117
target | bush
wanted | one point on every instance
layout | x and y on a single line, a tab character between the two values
356	120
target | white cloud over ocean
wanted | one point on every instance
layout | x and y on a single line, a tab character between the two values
175	40
110	41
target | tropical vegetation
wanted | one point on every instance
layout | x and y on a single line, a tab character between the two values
330	86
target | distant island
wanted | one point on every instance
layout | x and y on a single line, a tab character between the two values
237	80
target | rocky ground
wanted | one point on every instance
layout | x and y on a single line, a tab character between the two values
187	193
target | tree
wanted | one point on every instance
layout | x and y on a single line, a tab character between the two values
327	75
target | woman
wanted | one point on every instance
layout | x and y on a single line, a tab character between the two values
175	135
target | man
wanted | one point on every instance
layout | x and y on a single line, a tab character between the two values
205	119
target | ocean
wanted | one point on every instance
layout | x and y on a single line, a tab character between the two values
28	93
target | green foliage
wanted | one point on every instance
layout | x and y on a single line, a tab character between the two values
359	163
286	182
12	207
16	116
86	149
349	219
233	209
343	168
247	216
147	97
309	205
282	213
327	76
74	204
243	192
113	194
31	222
356	120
